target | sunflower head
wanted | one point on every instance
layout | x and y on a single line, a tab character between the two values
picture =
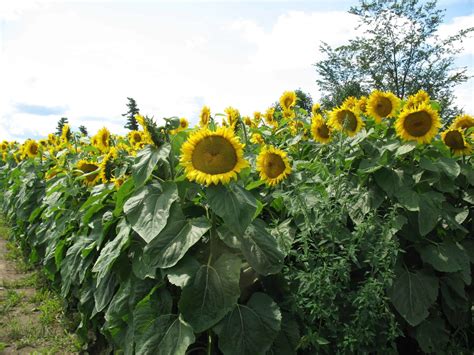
66	133
91	170
204	116
247	121
30	149
382	104
320	131
213	157
463	122
288	100
3	146
183	124
256	138
419	124
346	119
362	104
232	116
136	138
455	140
316	109
257	117
295	126
419	98
270	117
350	102
106	166
273	165
288	114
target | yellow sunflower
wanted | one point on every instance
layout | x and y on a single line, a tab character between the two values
91	170
257	117
3	146
204	116
320	130
146	133
212	157
102	140
289	114
362	104
382	104
65	134
455	140
270	117
106	166
232	116
288	100
463	122
350	102
247	121
345	119
419	124
256	138
136	138
183	124
30	148
295	126
273	165
415	100
316	109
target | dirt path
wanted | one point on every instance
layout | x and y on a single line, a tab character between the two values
31	316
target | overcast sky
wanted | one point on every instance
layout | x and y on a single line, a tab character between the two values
82	59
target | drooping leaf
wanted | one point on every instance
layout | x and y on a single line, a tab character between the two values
104	291
447	256
449	166
235	205
250	329
288	337
432	335
388	180
261	249
429	212
413	293
146	160
172	243
148	209
211	293
180	274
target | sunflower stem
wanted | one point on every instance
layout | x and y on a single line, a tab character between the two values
245	131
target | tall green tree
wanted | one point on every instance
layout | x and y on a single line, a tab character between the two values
83	130
132	123
400	50
62	121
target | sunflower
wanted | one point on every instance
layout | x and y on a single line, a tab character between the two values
455	140
289	114
106	166
212	157
419	124
247	121
3	146
102	139
350	102
362	104
345	119
52	139
136	138
463	122
232	116
270	117
382	104
320	130
288	100
146	133
92	171
257	117
273	165
204	116
256	138
295	126
30	149
316	109
66	134
183	124
414	101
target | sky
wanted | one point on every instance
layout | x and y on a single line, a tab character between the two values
82	59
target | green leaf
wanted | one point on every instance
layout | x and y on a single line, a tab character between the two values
235	205
250	329
388	180
261	249
428	214
112	250
180	274
284	235
179	234
446	257
212	293
408	198
449	166
405	148
432	335
104	291
429	165
288	338
148	209
468	245
413	293
122	194
146	160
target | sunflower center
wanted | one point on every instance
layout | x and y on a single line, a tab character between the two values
383	107
323	131
288	101
214	155
348	120
454	140
418	123
105	139
137	137
33	149
273	165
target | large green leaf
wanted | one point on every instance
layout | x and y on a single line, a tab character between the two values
288	338
112	250
429	212
389	180
449	166
250	329
104	291
413	293
212	292
447	256
180	274
146	161
432	335
235	205
261	249
148	208
175	239
168	334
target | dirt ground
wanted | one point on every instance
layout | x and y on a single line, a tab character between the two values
31	316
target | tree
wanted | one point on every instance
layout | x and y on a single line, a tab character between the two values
83	130
59	129
400	51
132	123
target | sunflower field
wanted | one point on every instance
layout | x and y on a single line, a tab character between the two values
347	230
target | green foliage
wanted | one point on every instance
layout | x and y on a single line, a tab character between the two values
83	130
133	110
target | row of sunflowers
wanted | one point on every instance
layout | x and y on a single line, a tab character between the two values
301	229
